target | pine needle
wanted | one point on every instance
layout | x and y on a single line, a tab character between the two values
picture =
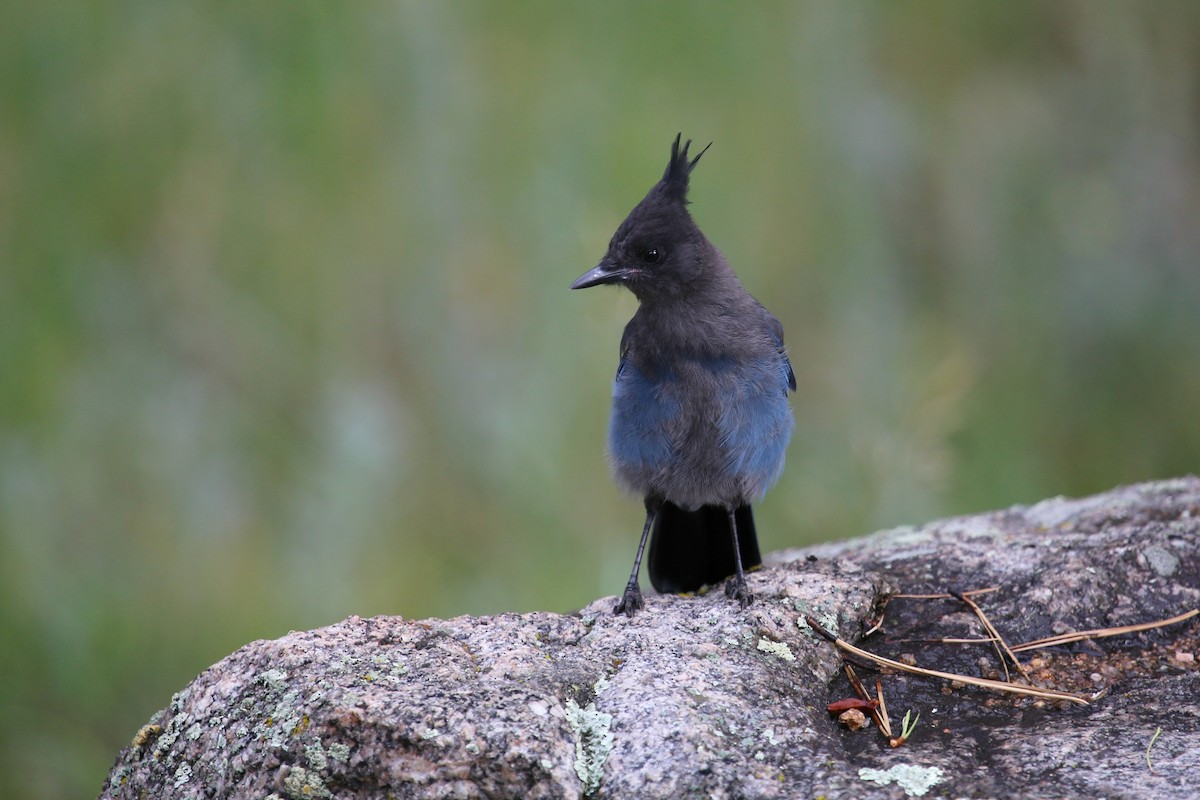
984	683
1099	633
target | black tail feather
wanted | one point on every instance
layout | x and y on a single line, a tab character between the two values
691	549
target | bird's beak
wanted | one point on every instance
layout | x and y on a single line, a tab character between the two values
607	271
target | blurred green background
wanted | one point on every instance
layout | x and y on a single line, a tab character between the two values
285	332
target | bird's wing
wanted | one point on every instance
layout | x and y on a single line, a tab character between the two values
624	353
777	333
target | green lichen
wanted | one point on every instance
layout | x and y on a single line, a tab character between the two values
182	775
314	754
913	779
301	784
281	722
339	752
779	649
593	739
121	774
179	700
826	620
274	679
168	737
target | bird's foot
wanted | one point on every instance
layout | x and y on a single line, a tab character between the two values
631	601
737	589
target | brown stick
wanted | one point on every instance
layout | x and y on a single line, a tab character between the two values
999	686
1001	646
1099	633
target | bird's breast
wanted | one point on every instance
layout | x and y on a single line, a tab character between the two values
712	428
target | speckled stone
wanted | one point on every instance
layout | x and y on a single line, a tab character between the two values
695	697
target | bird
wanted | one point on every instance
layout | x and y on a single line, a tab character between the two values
700	416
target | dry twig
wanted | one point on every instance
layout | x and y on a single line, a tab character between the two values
879	712
945	595
1000	686
998	642
1078	636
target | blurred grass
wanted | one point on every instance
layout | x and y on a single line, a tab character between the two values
285	335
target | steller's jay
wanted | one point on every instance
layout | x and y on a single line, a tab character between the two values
700	415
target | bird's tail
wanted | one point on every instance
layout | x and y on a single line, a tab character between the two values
691	549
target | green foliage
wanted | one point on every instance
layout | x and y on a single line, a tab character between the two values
285	334
909	724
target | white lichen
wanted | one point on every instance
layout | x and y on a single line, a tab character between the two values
314	754
273	679
182	775
118	777
776	649
915	780
593	742
301	784
826	620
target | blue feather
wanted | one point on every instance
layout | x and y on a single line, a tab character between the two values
642	412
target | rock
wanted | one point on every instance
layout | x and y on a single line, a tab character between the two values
697	698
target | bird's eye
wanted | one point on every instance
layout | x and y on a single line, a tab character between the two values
652	256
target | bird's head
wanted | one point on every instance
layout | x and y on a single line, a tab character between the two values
658	251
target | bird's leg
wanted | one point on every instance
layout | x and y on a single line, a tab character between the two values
631	600
736	587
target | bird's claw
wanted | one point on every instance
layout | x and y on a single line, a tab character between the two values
631	601
737	589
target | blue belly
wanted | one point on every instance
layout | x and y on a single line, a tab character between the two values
703	432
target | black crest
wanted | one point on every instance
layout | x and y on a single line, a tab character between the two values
675	178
